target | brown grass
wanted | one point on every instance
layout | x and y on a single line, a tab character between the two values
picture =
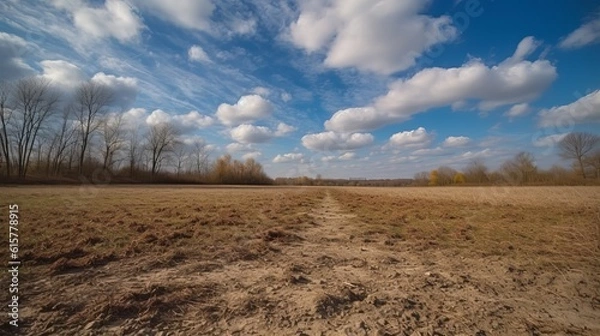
535	225
121	259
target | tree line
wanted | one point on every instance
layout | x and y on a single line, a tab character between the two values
52	135
583	149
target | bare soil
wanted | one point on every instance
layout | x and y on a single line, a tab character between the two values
313	261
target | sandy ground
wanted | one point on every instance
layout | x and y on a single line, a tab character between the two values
325	281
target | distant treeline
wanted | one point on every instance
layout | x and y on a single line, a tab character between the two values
47	137
307	181
582	148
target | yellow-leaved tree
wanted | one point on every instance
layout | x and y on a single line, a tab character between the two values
459	178
434	178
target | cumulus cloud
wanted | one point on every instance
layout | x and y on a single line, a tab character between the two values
584	109
366	34
588	33
247	109
185	122
67	77
133	118
116	18
327	141
197	54
191	14
513	81
458	141
62	73
251	155
525	48
12	65
518	110
283	129
249	134
124	89
289	157
414	138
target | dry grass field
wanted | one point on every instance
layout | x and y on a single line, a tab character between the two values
162	260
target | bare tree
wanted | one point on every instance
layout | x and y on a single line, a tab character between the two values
64	137
5	116
593	161
476	171
421	178
576	146
445	175
91	101
161	140
181	156
134	152
111	140
521	169
34	103
201	157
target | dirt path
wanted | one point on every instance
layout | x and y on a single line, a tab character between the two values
324	280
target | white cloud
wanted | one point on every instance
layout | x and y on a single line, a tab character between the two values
588	33
382	36
518	110
247	133
428	152
191	14
195	119
482	153
549	141
185	122
252	155
243	27
347	156
584	109
261	91
133	118
247	109
12	65
511	82
157	117
197	54
286	97
458	141
116	18
113	63
235	147
62	73
67	77
251	134
124	89
414	138
525	48
344	157
327	141
289	157
283	129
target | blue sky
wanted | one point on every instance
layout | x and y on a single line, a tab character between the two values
378	89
